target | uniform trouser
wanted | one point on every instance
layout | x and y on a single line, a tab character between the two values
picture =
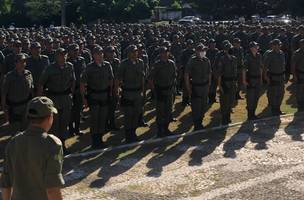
252	97
132	109
98	119
300	96
76	111
111	110
239	82
199	104
63	103
17	119
164	110
275	96
212	89
227	99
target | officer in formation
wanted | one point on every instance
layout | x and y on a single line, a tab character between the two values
162	80
58	83
131	80
33	159
198	80
96	90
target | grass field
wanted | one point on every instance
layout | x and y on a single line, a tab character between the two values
184	123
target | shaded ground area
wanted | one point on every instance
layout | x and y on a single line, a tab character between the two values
250	161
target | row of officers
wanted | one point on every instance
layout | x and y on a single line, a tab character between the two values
106	82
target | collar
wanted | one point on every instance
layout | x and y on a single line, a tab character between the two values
33	130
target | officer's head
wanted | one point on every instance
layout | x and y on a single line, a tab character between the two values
20	61
109	52
73	50
40	112
163	53
200	50
60	56
97	54
49	43
227	46
35	49
212	43
17	46
254	47
132	52
276	44
237	42
26	43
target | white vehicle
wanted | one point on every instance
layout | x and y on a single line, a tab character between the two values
189	19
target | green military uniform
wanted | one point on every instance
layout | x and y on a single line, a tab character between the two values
227	71
132	76
97	79
33	160
199	69
79	65
274	64
163	75
58	84
298	62
36	66
211	54
253	67
17	89
239	54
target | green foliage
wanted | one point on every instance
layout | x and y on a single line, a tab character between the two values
42	9
177	4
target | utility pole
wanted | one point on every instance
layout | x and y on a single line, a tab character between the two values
63	12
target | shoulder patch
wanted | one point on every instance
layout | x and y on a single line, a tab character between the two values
56	140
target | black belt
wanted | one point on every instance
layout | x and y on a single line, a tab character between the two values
157	87
200	84
276	74
131	89
226	79
94	91
55	93
18	103
254	76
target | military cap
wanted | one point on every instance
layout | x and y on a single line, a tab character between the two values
60	51
73	47
227	46
36	45
189	41
301	42
237	40
253	44
49	40
19	57
132	48
201	47
276	42
163	49
40	107
301	27
109	49
97	49
212	41
17	43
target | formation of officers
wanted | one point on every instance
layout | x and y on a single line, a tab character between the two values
109	66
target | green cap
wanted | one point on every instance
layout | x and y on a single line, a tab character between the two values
40	107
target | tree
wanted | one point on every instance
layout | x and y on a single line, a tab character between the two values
39	10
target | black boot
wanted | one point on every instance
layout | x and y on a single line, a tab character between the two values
198	126
251	115
160	131
131	136
225	119
97	142
274	111
141	121
112	125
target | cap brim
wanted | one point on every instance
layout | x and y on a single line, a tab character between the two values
54	110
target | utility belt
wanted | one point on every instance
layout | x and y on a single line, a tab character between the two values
61	93
163	88
253	76
94	91
126	89
275	82
200	84
11	103
229	79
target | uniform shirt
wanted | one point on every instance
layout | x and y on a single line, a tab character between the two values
87	56
79	66
17	87
211	55
132	76
37	66
253	67
275	63
50	55
115	64
33	163
164	75
199	69
227	69
97	78
239	54
57	79
298	61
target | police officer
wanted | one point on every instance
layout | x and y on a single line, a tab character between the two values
97	83
274	64
131	77
33	158
227	75
198	71
49	50
252	78
17	90
36	63
298	74
58	83
79	65
211	54
109	56
9	62
162	79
